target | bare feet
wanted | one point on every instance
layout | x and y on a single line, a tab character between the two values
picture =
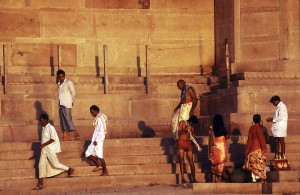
97	169
64	139
38	187
105	173
70	171
195	181
183	181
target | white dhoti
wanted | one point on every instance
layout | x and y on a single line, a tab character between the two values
182	114
96	150
49	165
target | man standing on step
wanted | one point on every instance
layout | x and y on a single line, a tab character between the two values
49	165
95	149
279	126
66	97
185	108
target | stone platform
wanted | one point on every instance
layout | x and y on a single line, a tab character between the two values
135	162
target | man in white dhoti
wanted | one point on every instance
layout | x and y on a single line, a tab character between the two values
185	108
95	149
49	165
279	126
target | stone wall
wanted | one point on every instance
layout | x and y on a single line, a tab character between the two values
178	34
261	34
39	36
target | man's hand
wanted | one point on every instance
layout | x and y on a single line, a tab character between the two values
269	119
95	143
175	110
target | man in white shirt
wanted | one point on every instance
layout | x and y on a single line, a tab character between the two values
66	96
95	149
279	126
49	165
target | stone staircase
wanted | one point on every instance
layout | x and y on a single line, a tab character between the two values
29	95
134	162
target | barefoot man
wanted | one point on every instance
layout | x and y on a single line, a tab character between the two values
66	96
49	165
95	149
185	108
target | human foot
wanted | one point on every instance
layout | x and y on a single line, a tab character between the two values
70	171
97	169
105	173
38	187
183	181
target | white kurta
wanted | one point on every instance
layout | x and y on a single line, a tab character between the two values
66	93
279	127
100	123
49	165
182	114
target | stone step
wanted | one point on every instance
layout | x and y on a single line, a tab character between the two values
283	176
286	188
156	141
81	171
123	151
92	181
200	159
246	188
86	170
166	79
126	88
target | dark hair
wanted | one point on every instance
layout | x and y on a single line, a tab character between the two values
44	116
275	98
256	118
193	119
60	72
218	126
95	108
180	81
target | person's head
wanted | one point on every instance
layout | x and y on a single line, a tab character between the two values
218	122
94	110
275	100
44	118
181	84
256	118
193	120
61	75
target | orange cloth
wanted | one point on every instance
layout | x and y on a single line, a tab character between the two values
217	153
256	140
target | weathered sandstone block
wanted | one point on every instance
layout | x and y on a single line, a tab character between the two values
16	23
67	24
118	4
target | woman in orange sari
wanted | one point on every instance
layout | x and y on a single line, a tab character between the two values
255	151
217	147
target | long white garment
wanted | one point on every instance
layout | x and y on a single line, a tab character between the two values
66	93
99	123
182	114
49	165
279	126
